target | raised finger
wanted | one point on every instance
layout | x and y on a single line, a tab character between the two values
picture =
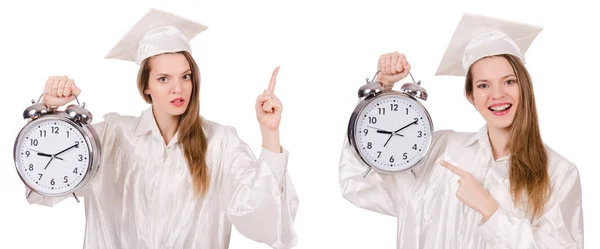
454	169
273	80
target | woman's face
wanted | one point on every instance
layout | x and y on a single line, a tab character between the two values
495	91
170	83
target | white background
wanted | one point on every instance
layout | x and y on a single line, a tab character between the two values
326	50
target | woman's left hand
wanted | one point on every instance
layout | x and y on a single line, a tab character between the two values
268	114
472	193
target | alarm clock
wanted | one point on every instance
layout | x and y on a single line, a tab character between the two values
389	130
57	152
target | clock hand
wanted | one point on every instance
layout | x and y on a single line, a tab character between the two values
386	142
48	155
35	150
39	153
389	132
414	122
384	131
377	129
75	145
48	163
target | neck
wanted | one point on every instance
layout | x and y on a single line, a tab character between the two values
499	141
167	124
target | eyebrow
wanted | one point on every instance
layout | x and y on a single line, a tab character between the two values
164	74
486	81
508	76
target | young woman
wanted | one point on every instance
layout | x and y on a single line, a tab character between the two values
500	187
171	178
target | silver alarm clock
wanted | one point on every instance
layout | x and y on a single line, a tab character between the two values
57	152
390	130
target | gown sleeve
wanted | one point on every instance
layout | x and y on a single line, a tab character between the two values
35	198
560	227
379	192
259	196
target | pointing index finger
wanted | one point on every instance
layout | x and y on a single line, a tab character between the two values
273	80
454	169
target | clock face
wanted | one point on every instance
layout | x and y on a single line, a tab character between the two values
392	133
52	156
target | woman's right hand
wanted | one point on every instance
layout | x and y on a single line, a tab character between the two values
59	91
394	68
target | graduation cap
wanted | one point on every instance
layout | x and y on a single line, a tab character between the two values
479	36
155	33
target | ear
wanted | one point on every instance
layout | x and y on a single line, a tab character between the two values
471	100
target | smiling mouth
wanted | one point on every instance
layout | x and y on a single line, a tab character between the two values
500	108
177	100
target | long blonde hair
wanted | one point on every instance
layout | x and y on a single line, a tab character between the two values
529	180
191	134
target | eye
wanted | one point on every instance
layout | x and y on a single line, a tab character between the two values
187	77
481	86
510	82
163	79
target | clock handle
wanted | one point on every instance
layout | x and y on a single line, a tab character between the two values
74	195
76	99
379	71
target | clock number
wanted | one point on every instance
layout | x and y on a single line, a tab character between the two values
27	153
416	120
372	120
379	154
404	156
80	158
381	111
394	107
75	171
54	130
30	167
34	142
77	144
391	159
369	145
415	147
67	134
52	182
366	131
65	179
420	134
42	133
40	176
406	111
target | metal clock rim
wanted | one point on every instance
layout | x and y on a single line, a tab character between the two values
93	147
352	126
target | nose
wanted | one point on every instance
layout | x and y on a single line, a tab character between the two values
497	91
176	86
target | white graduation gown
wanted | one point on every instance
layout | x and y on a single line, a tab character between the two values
142	197
431	216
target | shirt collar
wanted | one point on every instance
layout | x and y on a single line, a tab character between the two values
482	138
147	123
